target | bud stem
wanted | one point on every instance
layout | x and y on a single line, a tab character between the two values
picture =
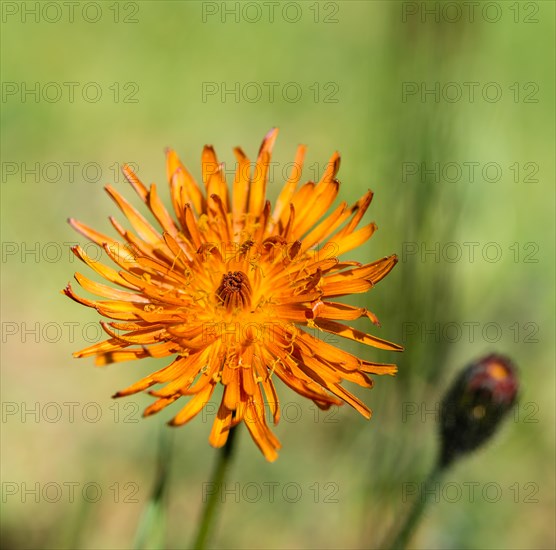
150	529
402	538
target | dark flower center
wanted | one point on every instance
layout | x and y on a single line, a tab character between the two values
234	290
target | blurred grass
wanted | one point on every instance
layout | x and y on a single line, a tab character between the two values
369	53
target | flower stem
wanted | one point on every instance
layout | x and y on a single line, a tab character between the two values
218	476
401	539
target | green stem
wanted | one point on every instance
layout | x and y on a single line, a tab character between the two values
218	476
404	534
151	524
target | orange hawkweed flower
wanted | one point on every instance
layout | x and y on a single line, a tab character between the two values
233	289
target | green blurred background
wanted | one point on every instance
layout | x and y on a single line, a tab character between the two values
351	76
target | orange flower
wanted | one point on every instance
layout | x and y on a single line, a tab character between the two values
234	291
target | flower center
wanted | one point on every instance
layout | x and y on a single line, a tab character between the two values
234	290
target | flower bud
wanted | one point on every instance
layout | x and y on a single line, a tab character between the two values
472	409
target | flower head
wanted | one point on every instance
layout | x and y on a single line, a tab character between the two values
236	292
480	397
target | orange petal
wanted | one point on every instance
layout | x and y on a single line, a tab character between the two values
358	279
135	182
379	368
356	335
157	406
324	229
104	271
90	234
288	190
196	403
312	211
160	213
353	240
240	188
358	211
257	190
221	427
139	223
108	291
184	187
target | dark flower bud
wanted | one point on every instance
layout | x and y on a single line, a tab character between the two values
472	409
